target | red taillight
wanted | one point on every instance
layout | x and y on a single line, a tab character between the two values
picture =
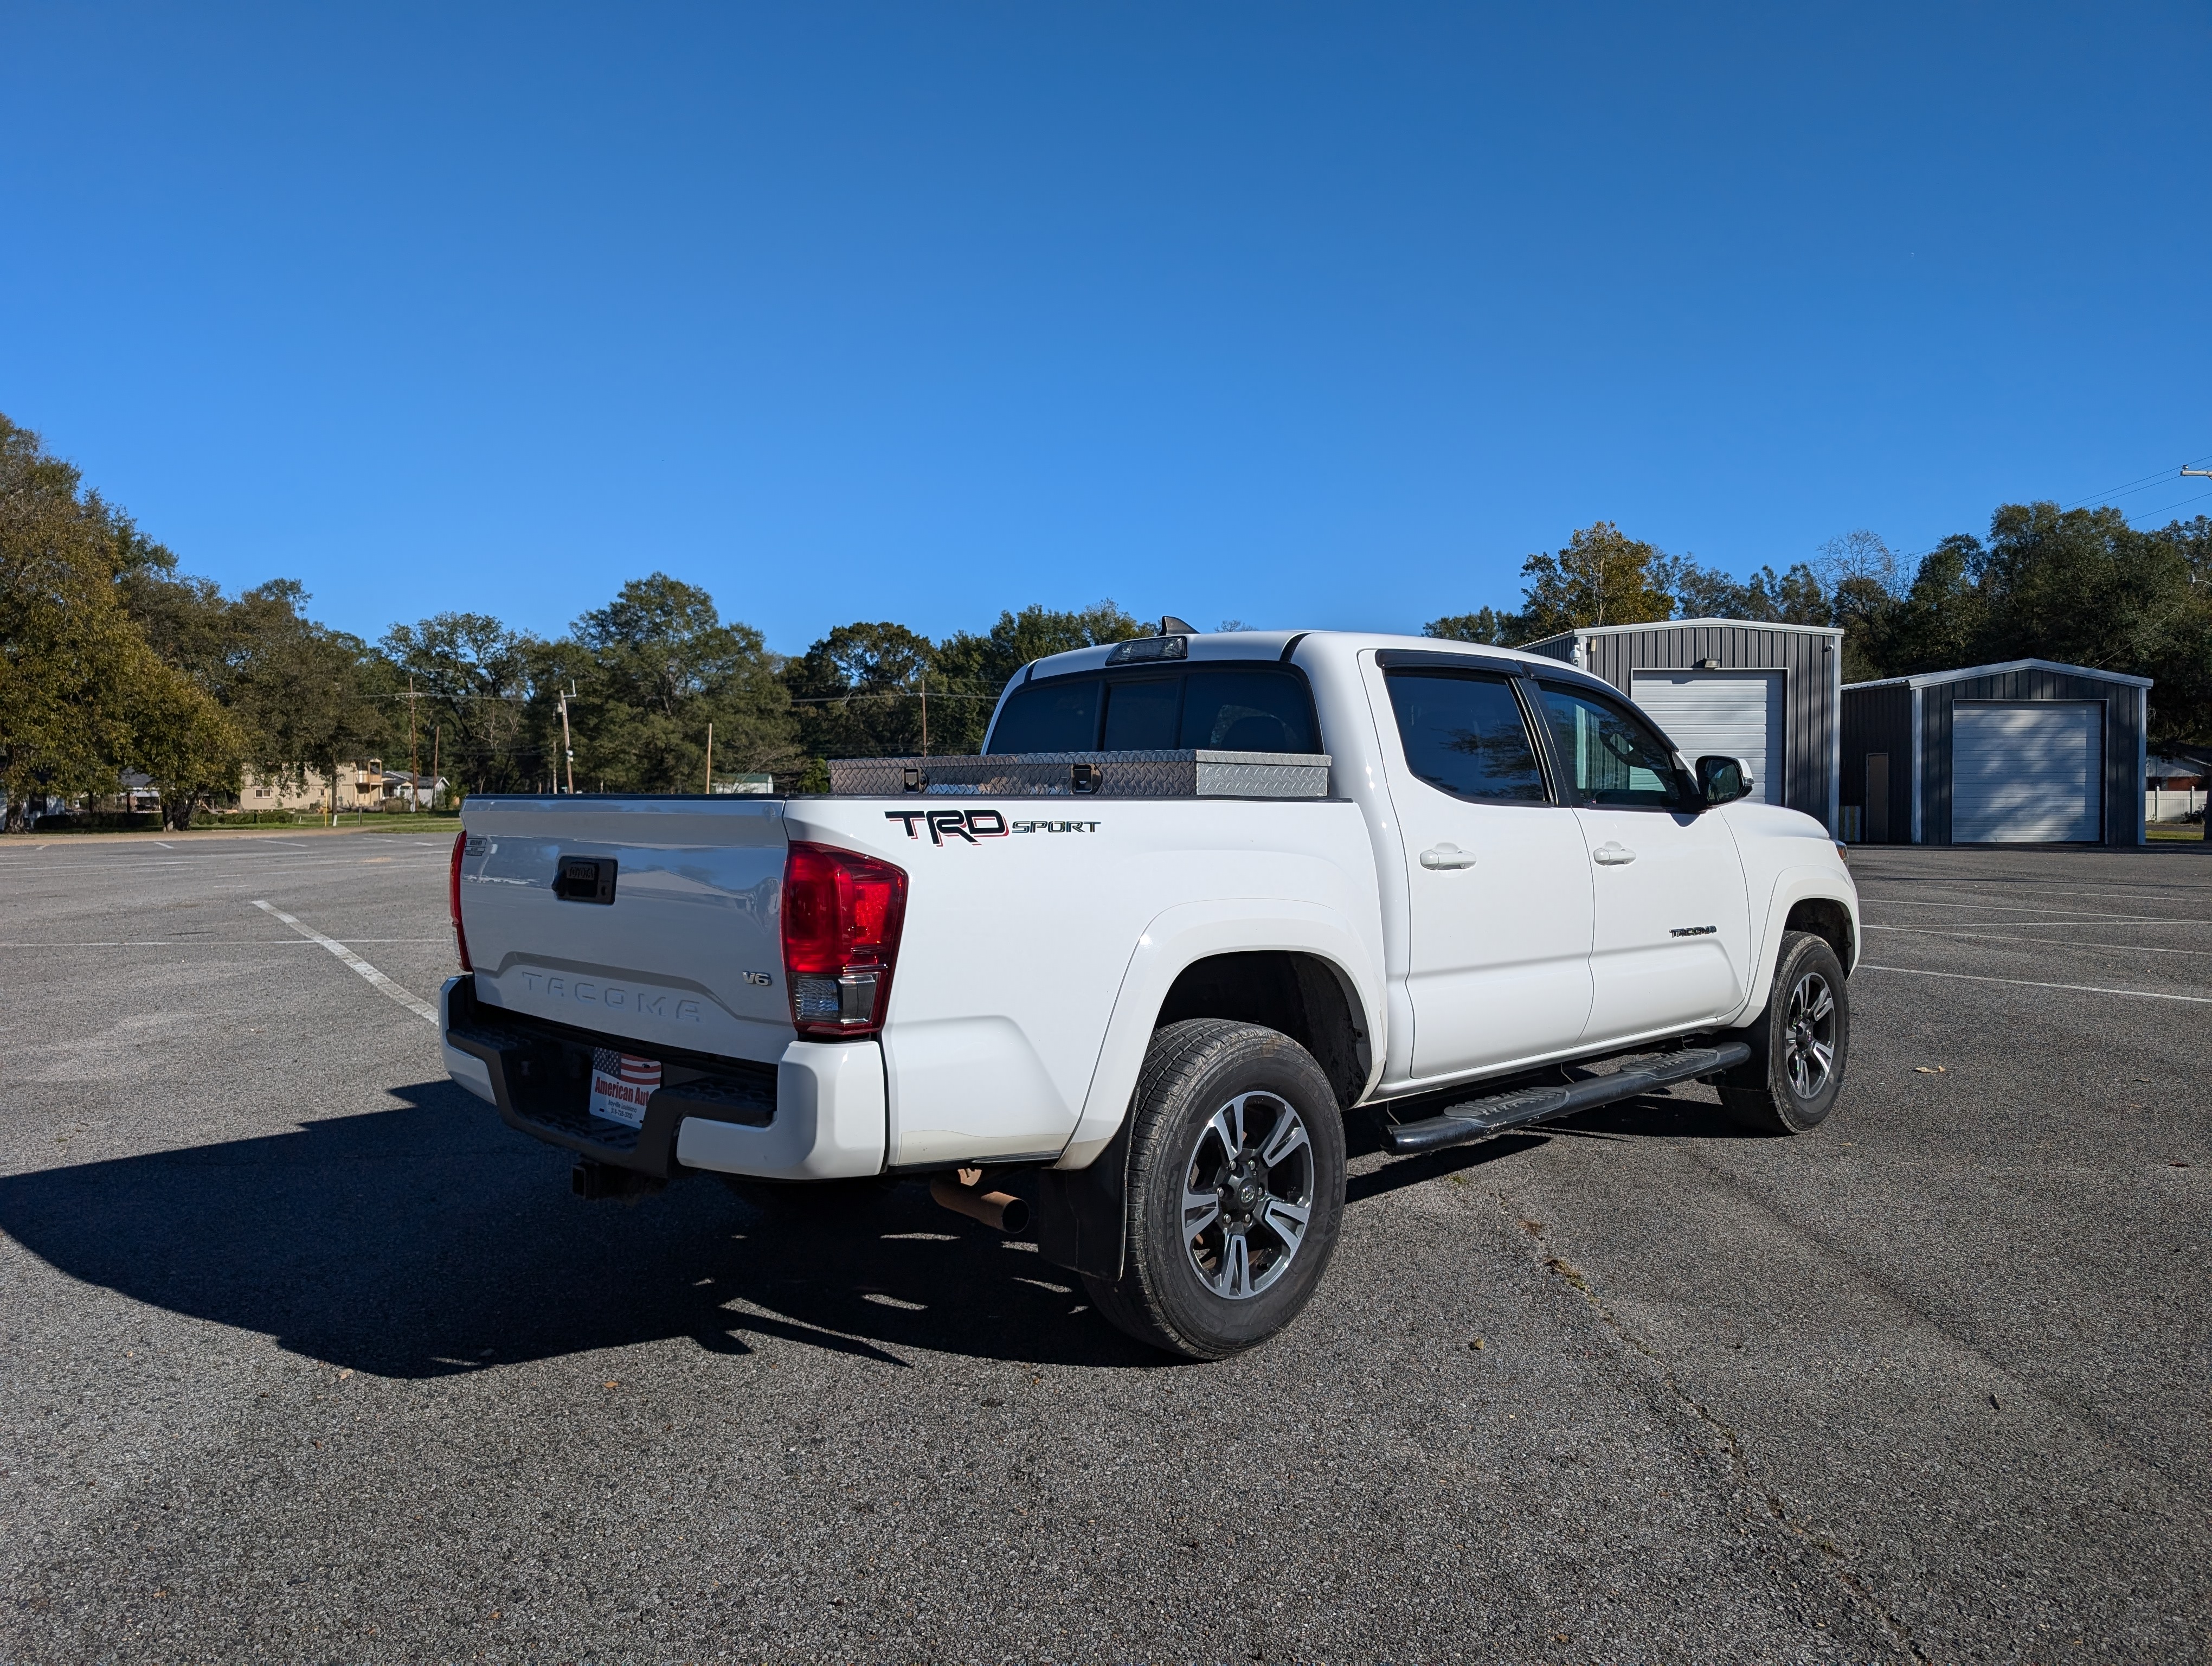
453	900
842	913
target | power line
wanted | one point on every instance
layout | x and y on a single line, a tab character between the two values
2195	497
2129	488
2142	484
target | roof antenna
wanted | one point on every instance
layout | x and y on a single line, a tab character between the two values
1171	626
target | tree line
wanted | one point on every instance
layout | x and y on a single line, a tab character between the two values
2079	585
112	660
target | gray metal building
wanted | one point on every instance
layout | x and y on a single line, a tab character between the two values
1771	693
2026	753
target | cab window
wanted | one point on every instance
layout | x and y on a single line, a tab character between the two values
1247	711
1464	734
1229	708
1611	756
1140	717
1060	717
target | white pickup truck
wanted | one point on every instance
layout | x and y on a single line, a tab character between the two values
1205	896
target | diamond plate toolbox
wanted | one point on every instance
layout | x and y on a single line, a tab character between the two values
1196	774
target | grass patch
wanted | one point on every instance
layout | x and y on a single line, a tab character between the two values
427	821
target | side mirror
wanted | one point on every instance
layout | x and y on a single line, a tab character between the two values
1723	780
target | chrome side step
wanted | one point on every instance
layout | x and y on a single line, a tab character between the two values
1478	1119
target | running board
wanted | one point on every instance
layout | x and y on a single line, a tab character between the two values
1478	1119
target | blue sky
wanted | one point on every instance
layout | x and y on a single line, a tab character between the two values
1310	316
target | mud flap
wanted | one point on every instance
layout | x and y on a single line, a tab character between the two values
1082	1221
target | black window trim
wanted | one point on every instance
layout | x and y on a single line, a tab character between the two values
1532	720
1153	669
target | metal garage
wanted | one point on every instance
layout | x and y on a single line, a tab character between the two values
1737	714
1769	693
2029	751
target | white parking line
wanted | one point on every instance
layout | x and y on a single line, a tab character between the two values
2023	983
414	1003
17	865
2056	942
2008	889
211	942
2001	908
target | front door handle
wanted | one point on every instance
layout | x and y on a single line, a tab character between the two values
1613	854
1447	855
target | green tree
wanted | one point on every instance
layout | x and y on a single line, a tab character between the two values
301	695
975	668
184	741
652	669
2181	702
2080	585
2077	586
1865	579
475	674
1487	625
312	697
859	692
1601	577
82	694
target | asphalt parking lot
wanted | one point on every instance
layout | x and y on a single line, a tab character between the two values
305	1358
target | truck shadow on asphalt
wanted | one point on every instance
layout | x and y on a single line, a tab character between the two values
431	1239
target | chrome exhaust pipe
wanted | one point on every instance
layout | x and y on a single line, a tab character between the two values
1000	1211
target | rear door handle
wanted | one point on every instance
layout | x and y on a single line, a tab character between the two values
1611	855
1447	855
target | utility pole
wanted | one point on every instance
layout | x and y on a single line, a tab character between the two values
568	741
710	759
414	751
437	739
925	713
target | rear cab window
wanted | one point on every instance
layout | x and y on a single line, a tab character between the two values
1465	734
1059	716
1228	708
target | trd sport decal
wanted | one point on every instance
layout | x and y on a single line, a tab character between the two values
969	824
974	824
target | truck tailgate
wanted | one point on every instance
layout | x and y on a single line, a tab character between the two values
680	946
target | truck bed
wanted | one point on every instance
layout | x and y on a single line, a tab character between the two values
1025	920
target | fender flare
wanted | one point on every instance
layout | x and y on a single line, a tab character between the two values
1178	938
1806	882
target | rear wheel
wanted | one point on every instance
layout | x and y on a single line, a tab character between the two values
1234	1192
1799	1044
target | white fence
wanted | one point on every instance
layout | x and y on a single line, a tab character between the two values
2171	805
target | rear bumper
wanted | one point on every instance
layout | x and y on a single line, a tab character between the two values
819	1113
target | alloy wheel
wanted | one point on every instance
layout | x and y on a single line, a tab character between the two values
1247	1194
1809	1054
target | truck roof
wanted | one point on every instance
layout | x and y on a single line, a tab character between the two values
1280	645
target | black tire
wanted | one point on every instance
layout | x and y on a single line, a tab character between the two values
1800	1043
1246	1271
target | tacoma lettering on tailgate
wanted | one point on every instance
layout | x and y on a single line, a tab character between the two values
591	992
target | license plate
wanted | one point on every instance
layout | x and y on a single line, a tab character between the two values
621	1083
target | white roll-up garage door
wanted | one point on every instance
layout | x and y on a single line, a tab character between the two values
1735	713
2027	772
